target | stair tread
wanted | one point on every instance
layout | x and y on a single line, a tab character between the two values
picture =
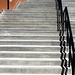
31	67
29	52
26	46
31	59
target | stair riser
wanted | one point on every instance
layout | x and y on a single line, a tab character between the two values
29	43
30	71
29	16
29	38
30	63
28	19
36	49
71	9
40	1
69	5
33	13
27	26
35	5
24	20
29	55
38	8
28	23
17	11
21	6
30	13
27	11
8	30
10	34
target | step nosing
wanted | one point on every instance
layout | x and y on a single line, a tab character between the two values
30	59
24	35
27	74
28	46
24	52
30	40
31	67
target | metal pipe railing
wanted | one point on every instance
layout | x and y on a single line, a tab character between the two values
66	38
59	14
70	41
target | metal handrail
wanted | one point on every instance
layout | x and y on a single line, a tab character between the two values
64	26
70	42
59	14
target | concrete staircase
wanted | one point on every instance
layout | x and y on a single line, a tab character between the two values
29	41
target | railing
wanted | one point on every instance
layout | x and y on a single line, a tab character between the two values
66	39
59	14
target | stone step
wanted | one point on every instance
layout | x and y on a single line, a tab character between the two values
72	19
71	12
38	8
24	54
31	48
28	74
72	15
29	37
73	32
27	29
25	12
71	9
30	42
25	33
41	1
68	0
73	28
29	26
36	5
72	23
30	16
28	19
68	4
30	61
31	69
22	31
28	11
29	23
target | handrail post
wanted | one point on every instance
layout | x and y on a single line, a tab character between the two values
8	4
